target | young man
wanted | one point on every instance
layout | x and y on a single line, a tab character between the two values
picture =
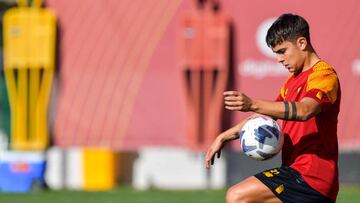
308	104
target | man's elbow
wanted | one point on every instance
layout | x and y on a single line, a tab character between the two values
305	114
307	109
303	117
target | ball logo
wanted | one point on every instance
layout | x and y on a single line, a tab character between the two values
264	132
261	35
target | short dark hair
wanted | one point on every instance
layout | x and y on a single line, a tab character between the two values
288	27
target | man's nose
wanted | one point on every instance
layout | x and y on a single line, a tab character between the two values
280	59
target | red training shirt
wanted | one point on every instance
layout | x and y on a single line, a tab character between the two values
311	146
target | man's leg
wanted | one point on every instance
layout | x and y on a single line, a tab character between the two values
250	190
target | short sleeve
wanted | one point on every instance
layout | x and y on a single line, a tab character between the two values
322	85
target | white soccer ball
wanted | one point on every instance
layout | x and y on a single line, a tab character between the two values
261	138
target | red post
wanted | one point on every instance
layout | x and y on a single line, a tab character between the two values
203	59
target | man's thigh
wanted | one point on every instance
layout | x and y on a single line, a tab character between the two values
289	186
251	190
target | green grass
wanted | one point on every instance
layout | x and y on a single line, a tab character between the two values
348	194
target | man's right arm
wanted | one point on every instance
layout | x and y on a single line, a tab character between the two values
285	110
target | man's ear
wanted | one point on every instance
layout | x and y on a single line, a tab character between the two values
301	42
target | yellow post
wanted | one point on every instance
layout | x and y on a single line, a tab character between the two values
99	169
29	62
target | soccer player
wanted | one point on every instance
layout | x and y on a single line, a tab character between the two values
308	104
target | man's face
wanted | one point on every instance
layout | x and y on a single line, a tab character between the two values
290	55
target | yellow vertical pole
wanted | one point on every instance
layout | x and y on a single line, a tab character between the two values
13	100
40	137
33	94
21	109
29	62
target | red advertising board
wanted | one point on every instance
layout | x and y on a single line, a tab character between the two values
120	85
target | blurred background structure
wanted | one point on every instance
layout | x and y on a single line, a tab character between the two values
133	93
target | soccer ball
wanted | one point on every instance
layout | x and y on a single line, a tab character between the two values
261	138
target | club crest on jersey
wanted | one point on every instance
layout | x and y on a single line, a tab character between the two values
319	95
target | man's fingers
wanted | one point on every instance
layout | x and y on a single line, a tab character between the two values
207	163
233	103
233	108
219	154
209	158
231	93
210	162
231	98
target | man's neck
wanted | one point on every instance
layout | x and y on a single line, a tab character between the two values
310	60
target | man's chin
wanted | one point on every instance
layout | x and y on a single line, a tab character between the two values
293	72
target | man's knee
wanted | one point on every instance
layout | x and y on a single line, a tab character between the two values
236	195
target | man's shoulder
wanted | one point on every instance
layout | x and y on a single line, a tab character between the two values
323	66
322	70
324	78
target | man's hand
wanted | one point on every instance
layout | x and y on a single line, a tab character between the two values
214	149
237	101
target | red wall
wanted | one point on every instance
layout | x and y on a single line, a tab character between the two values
120	86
